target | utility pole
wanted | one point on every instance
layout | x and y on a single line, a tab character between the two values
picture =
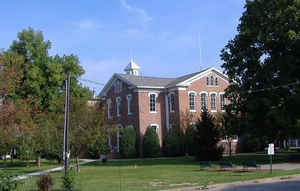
66	126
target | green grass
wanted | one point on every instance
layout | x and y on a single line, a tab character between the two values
18	167
151	175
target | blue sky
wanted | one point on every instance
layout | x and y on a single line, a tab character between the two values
161	35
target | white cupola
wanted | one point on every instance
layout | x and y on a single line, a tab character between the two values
132	69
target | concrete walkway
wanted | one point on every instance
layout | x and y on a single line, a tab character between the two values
282	166
22	177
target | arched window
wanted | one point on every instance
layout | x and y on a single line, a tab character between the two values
203	101
129	98
152	102
222	101
216	81
118	104
192	101
213	102
211	80
207	81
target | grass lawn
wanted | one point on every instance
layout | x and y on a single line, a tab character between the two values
18	167
152	174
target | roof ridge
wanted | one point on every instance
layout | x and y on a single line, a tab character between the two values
145	76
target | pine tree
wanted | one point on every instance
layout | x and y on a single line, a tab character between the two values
207	138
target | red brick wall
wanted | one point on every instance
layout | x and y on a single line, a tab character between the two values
146	118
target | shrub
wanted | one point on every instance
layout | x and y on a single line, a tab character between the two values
7	182
68	181
128	143
172	144
249	143
151	146
189	140
207	138
44	183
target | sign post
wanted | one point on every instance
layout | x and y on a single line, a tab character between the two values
271	153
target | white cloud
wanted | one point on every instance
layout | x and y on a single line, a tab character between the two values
88	24
139	13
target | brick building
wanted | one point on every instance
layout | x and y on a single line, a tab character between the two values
139	102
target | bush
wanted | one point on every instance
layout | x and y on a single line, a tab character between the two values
207	138
249	143
128	143
68	181
172	144
189	140
151	146
44	183
7	182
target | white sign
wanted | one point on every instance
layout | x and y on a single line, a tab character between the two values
271	149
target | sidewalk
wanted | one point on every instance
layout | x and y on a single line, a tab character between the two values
22	177
222	186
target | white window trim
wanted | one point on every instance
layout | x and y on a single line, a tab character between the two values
118	104
222	93
129	100
108	102
210	94
206	99
203	92
156	125
170	104
195	93
129	126
156	95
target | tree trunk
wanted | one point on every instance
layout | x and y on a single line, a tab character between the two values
38	159
77	164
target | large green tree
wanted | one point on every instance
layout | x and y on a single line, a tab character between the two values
263	63
43	75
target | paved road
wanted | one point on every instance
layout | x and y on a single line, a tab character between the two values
279	186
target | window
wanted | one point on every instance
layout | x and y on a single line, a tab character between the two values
216	81
118	138
152	102
118	86
203	101
154	126
129	98
170	127
207	81
211	81
108	108
192	101
172	102
213	102
233	138
118	104
222	101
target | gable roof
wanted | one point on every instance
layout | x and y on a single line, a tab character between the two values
158	83
141	81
